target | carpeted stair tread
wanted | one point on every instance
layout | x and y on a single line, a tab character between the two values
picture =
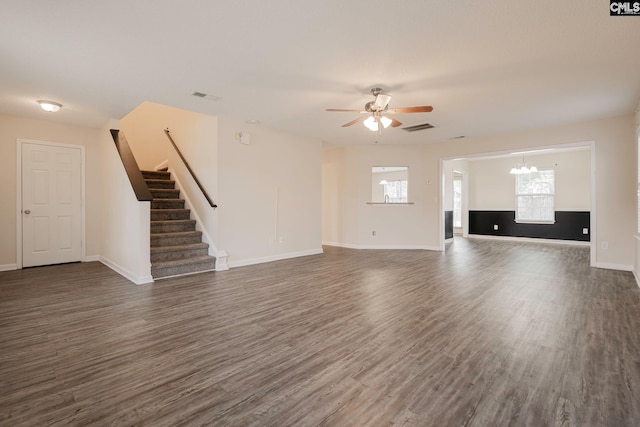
169	214
160	249
160	183
173	239
183	266
178	252
165	193
167	204
173	225
205	258
156	175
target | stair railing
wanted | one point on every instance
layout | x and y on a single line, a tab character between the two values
131	167
193	175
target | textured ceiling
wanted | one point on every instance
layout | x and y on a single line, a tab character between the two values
487	66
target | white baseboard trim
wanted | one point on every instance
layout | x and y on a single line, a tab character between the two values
138	280
529	240
8	267
635	274
383	247
610	266
270	258
91	258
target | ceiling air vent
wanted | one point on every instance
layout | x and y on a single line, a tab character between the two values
206	96
416	128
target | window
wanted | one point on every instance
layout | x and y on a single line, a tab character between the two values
395	191
457	202
389	184
534	197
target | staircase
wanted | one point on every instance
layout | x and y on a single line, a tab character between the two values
176	245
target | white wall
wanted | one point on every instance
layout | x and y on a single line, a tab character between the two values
492	187
12	128
270	194
124	234
420	225
350	221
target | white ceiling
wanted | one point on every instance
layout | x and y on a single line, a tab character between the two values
486	66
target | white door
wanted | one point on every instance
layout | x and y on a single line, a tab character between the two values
51	204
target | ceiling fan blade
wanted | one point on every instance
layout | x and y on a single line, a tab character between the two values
341	110
420	109
394	123
381	102
353	122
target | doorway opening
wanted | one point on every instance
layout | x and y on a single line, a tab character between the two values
500	204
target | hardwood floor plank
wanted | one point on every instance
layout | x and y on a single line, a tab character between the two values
487	333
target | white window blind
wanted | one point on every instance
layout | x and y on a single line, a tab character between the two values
535	196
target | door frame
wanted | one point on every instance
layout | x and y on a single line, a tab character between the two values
19	143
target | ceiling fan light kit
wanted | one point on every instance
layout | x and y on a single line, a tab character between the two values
377	112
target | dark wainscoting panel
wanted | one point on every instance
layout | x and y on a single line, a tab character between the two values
448	224
568	225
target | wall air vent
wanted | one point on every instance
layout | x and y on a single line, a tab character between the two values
416	128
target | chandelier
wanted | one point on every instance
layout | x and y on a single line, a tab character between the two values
522	168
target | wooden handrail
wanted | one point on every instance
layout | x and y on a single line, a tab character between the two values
193	175
131	167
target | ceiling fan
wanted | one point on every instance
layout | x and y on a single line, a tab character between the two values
376	113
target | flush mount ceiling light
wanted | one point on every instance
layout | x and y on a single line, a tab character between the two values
50	106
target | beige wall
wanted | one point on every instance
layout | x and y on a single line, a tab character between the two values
269	193
492	187
350	221
420	225
12	128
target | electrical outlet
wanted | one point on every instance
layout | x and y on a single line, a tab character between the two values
605	245
373	233
495	226
585	231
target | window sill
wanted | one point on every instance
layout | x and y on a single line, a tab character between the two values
525	221
390	204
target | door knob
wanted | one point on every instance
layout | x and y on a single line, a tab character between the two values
27	212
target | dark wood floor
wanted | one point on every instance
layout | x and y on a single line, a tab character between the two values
488	333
